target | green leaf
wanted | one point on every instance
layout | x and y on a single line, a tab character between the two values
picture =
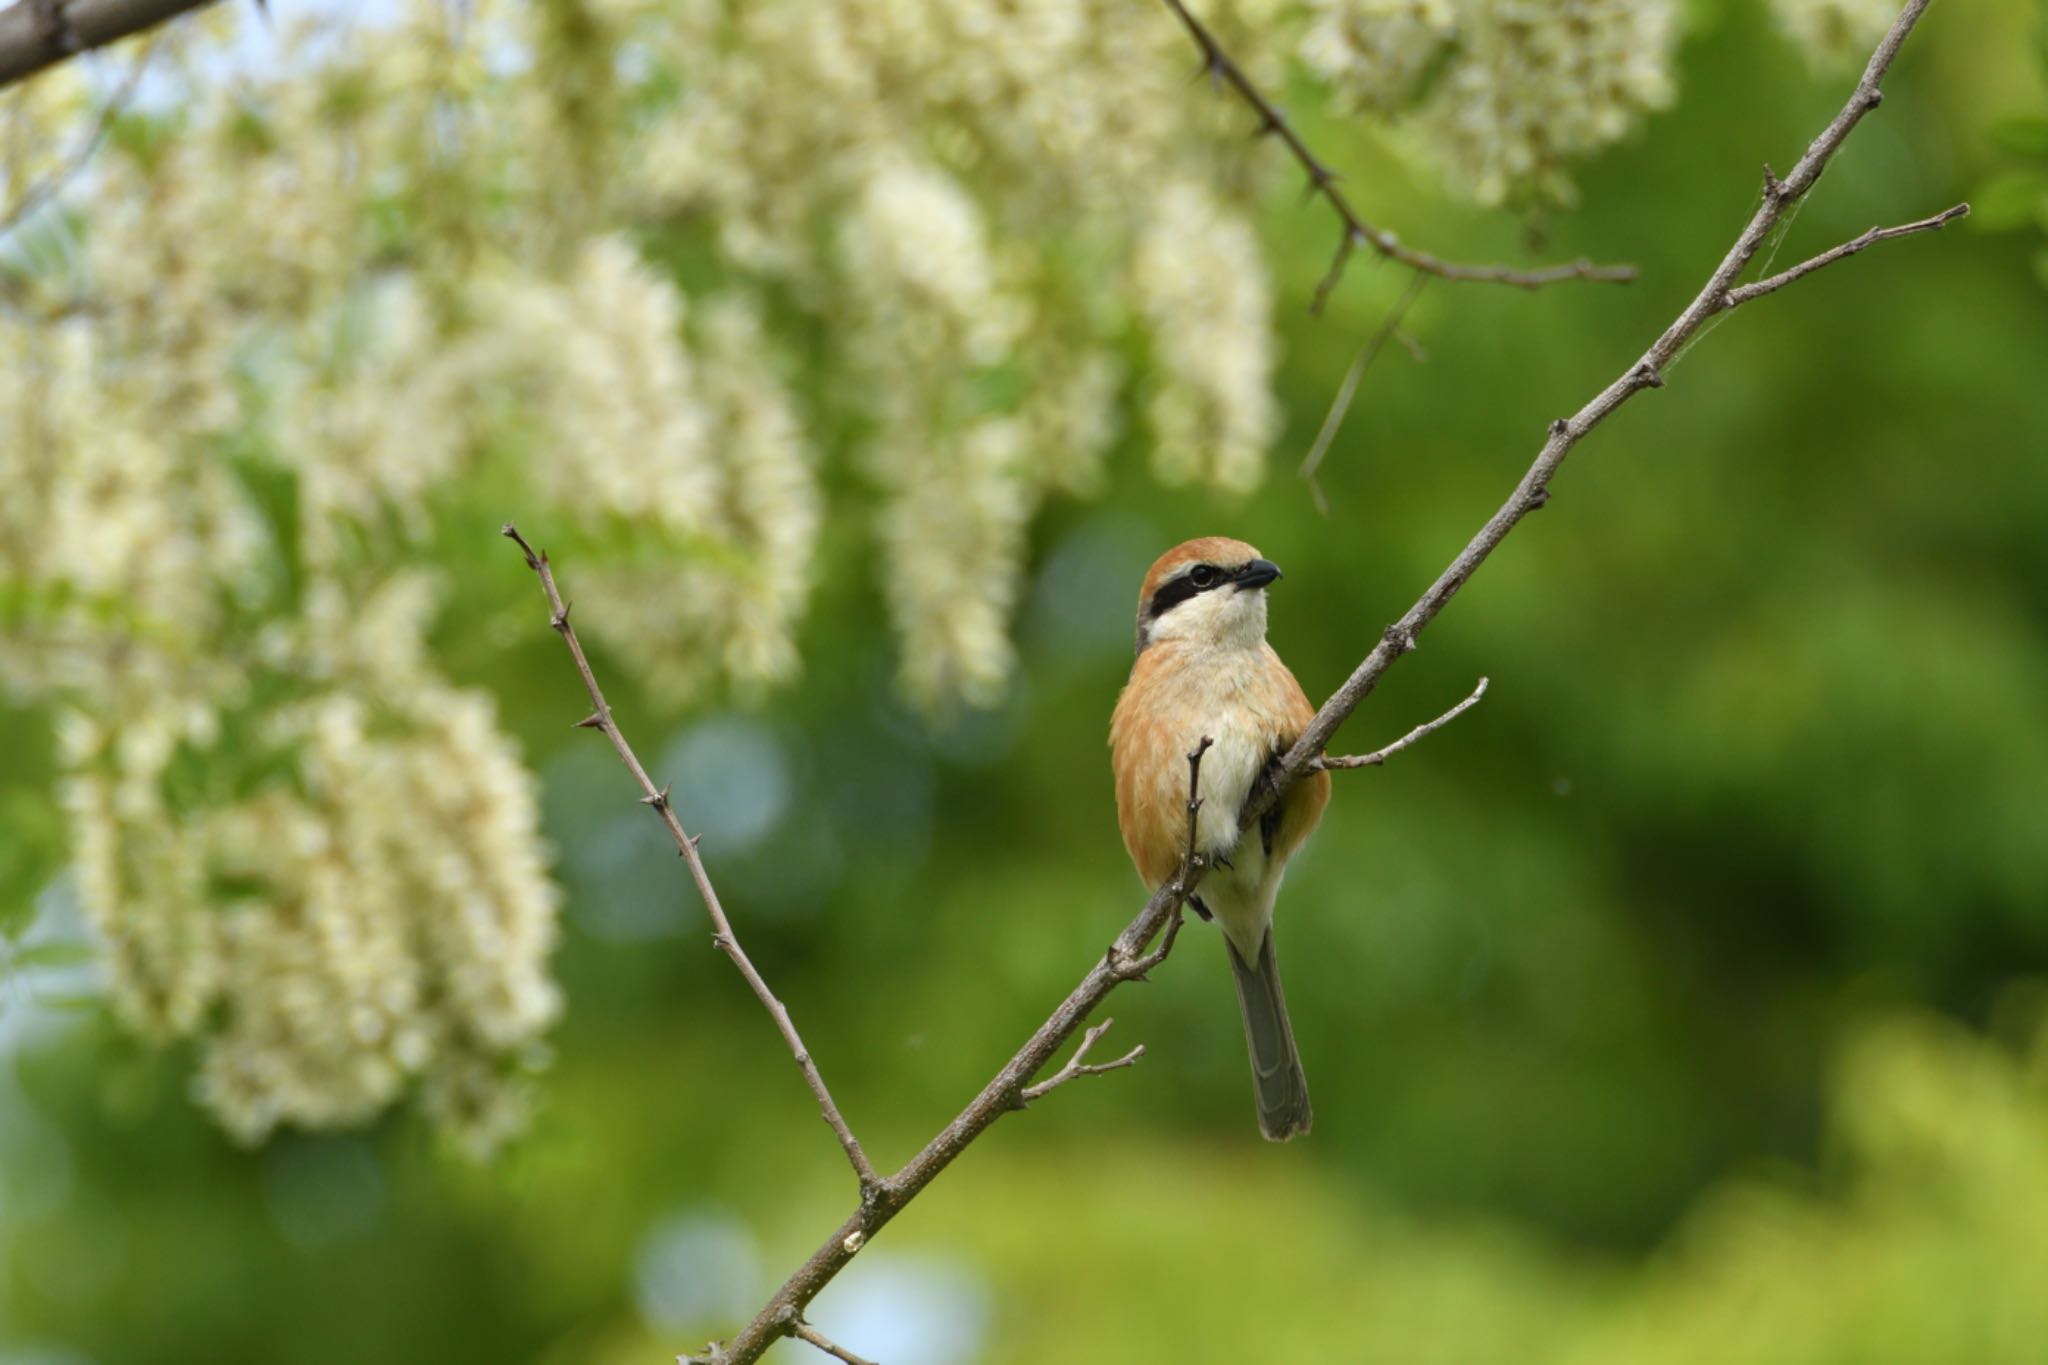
2025	134
54	955
2009	200
30	856
70	1002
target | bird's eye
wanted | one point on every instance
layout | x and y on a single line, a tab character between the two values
1204	576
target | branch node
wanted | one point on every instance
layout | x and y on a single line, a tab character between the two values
1398	638
1560	426
1539	498
1646	376
593	721
658	800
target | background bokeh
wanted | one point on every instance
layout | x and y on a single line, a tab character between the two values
1679	1003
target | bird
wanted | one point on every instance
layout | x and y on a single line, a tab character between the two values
1204	669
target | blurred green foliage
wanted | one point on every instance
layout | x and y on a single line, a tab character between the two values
1670	1007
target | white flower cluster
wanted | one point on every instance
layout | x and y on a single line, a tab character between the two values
1501	94
992	207
332	882
1197	281
1834	33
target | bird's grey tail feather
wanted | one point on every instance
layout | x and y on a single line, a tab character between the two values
1277	1083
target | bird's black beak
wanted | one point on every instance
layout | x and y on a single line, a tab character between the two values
1257	574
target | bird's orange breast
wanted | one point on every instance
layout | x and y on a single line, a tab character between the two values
1248	702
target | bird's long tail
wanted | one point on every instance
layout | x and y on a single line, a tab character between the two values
1277	1083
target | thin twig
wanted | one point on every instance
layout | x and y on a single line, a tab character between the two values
1533	491
1341	405
785	1306
1331	762
1742	294
46	188
600	718
1192	864
1357	232
1077	1065
803	1331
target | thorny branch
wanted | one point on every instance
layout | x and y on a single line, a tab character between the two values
600	718
1125	958
1357	232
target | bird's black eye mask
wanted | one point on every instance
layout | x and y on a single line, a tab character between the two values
1207	578
1196	581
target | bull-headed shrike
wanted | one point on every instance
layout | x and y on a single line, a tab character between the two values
1204	669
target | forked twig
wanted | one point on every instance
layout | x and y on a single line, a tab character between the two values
1078	1065
1357	232
1332	762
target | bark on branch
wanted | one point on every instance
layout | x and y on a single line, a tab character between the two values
39	33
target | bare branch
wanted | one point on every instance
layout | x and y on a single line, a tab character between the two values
1378	757
1341	405
871	1184
1077	1065
1647	372
39	33
1357	232
1742	294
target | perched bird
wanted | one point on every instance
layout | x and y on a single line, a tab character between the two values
1204	669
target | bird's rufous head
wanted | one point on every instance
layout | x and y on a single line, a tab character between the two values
1208	591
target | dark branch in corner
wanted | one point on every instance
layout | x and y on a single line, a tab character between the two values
36	195
39	33
1357	232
